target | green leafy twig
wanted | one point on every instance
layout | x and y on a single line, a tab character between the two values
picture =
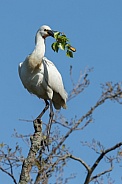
62	42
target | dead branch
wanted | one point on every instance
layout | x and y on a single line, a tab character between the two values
102	173
9	174
81	161
82	83
36	140
104	152
111	93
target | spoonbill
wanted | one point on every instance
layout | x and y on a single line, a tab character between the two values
40	76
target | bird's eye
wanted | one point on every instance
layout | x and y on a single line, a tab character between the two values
45	29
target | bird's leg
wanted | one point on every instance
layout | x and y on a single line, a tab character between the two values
44	110
50	119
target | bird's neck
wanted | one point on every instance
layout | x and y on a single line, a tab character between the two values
38	53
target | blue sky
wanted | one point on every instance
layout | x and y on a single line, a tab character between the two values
94	28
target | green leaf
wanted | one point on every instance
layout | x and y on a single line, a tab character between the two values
62	46
55	46
62	42
64	35
56	34
69	53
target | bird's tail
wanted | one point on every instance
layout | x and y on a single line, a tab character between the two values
64	106
59	101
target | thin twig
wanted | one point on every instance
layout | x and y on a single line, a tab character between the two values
11	175
100	102
102	173
90	171
81	161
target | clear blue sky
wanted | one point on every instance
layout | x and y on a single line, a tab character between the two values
95	29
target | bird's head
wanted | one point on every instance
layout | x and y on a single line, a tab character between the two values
45	31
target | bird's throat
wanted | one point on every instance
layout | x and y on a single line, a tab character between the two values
35	59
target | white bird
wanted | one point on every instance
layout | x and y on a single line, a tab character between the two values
40	76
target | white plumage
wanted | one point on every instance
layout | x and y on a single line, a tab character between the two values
40	76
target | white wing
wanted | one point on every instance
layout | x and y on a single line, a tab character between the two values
54	81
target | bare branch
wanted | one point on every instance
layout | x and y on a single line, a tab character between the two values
50	169
82	83
81	161
47	163
102	173
104	152
11	175
108	94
